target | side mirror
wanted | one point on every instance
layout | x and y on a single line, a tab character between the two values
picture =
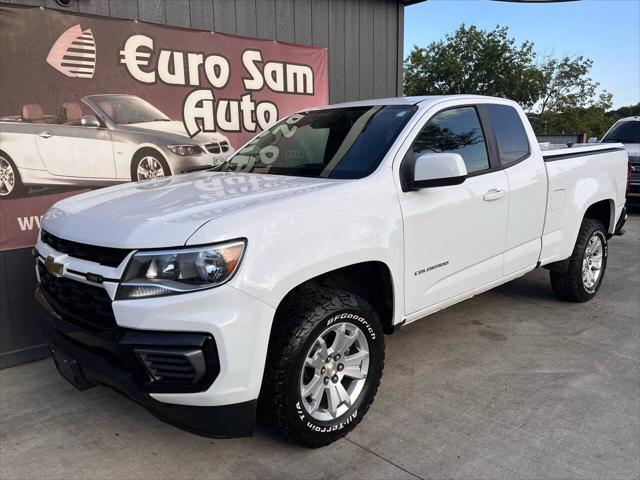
89	121
592	140
435	170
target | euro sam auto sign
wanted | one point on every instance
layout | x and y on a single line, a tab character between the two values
86	94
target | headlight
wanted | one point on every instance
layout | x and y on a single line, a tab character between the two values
185	149
168	272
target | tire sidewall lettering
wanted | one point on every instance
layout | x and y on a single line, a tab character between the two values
368	328
349	417
311	425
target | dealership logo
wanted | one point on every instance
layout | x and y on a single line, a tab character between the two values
74	53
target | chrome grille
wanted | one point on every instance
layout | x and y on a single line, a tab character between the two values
217	147
213	147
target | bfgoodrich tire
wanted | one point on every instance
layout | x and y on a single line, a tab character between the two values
324	366
587	264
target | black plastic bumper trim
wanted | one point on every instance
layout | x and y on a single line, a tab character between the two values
621	221
224	421
108	358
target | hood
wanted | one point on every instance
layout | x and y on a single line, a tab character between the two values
166	212
171	131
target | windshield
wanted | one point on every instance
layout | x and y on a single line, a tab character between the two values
345	143
122	109
624	132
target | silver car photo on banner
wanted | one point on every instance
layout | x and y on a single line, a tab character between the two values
104	140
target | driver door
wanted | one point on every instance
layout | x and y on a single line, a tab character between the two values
72	150
454	235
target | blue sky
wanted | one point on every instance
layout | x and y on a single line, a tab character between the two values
607	31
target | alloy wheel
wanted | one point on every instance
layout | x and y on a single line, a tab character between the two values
334	371
7	177
149	167
592	262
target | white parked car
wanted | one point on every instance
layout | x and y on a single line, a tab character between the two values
270	285
125	138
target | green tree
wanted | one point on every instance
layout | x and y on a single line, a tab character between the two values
475	61
567	85
569	102
622	112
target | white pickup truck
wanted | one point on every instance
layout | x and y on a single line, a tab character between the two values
268	287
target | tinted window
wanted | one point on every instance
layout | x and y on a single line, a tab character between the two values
457	130
343	143
624	132
511	137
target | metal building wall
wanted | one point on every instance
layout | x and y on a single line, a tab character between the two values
364	38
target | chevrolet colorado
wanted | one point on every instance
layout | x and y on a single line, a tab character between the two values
267	287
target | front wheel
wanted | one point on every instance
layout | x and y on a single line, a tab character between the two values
148	166
587	264
324	366
10	181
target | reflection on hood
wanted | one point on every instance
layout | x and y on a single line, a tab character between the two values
167	211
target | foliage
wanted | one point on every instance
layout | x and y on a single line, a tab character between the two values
558	92
566	85
475	61
590	119
622	112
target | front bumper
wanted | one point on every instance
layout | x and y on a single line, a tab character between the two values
108	357
233	327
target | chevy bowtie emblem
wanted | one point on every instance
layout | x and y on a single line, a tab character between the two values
57	269
74	53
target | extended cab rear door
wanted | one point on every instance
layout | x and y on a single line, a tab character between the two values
527	180
454	236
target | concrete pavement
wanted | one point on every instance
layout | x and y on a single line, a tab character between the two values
511	384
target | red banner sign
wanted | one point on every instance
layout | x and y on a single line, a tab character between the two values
88	102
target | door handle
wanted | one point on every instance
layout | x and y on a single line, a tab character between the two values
493	194
45	134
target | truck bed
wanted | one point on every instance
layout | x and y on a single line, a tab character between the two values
580	176
551	152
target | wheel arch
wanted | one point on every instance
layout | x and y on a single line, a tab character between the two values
604	212
371	280
150	149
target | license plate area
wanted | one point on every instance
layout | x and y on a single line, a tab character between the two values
69	369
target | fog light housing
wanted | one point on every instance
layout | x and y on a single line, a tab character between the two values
173	367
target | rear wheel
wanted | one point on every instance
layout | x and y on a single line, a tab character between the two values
587	264
10	181
324	366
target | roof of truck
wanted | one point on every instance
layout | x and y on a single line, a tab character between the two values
410	100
